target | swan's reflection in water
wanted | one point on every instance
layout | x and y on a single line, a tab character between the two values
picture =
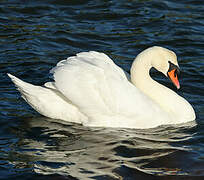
82	152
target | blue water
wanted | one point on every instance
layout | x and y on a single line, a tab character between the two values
35	35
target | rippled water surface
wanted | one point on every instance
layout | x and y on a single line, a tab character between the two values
35	35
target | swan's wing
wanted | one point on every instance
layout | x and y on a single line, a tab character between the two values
97	86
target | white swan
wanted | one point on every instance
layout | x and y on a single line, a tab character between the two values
90	89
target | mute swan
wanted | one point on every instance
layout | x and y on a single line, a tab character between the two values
91	89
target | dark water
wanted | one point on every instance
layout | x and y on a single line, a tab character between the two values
35	35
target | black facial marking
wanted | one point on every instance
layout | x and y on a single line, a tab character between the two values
173	66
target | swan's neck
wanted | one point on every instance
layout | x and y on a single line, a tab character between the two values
141	79
168	100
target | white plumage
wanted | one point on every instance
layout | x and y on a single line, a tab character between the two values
90	89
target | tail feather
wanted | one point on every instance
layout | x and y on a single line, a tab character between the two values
24	87
19	83
48	101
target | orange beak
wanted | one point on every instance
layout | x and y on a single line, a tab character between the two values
174	78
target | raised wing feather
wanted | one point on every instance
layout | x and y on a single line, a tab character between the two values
97	86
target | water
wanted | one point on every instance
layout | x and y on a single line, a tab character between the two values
35	35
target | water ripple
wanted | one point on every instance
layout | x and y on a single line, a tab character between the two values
35	35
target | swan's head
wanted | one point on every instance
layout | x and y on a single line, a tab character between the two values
165	61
